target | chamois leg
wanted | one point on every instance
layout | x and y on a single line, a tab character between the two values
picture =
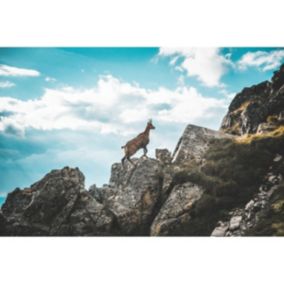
128	158
122	161
145	152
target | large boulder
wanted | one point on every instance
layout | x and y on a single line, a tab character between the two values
194	142
137	194
175	216
45	207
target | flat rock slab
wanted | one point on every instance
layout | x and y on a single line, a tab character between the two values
194	142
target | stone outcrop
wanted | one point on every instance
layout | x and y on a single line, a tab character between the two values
137	193
50	207
194	142
258	108
139	199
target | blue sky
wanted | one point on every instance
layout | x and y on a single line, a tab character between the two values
77	106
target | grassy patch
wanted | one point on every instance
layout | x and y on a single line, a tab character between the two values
278	133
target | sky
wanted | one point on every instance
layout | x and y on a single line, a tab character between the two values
77	106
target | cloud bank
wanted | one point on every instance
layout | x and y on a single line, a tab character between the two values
112	106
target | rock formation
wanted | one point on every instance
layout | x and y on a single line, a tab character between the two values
259	108
56	205
194	142
218	183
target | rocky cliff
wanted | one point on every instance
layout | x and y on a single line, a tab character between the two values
214	183
259	108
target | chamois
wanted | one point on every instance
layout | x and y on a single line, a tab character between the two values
139	142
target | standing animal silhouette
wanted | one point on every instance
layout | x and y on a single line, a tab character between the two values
139	142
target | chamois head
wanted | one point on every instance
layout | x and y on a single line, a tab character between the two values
150	124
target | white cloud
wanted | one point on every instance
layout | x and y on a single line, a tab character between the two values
264	60
50	79
112	106
7	71
207	64
6	84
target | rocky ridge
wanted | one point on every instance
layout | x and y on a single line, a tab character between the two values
218	183
139	200
257	109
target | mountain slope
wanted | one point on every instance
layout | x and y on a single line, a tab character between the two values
219	183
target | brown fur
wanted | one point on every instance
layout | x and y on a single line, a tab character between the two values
139	142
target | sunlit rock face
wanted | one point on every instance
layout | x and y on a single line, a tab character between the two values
259	108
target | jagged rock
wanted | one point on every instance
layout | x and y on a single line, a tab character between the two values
258	108
102	194
221	230
249	205
57	190
277	158
175	214
120	175
43	208
87	217
278	79
235	222
194	142
137	195
17	201
95	192
163	155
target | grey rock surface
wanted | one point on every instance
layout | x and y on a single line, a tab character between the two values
194	142
138	191
258	108
176	211
45	207
163	155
